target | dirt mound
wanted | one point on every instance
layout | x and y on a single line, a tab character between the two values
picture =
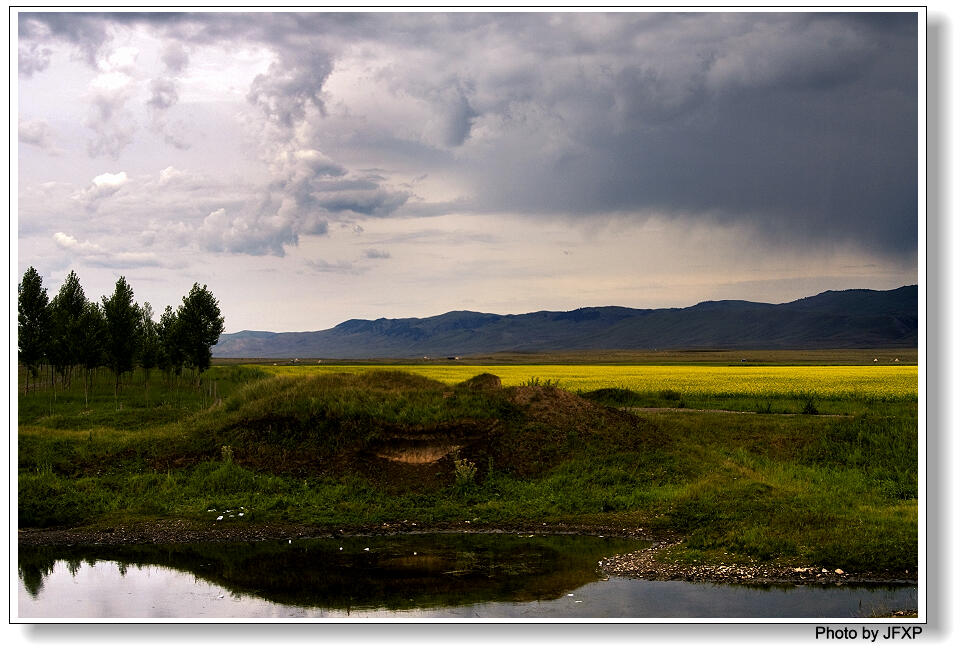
558	407
481	382
405	435
540	396
554	424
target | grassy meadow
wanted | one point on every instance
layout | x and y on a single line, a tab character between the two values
811	465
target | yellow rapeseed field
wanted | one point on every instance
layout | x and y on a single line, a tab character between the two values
825	382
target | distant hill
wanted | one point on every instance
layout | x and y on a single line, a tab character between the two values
833	319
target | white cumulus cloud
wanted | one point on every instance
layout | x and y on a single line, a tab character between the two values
68	242
101	187
92	254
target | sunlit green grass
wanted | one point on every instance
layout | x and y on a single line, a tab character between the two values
839	491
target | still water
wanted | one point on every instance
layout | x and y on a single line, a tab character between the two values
431	576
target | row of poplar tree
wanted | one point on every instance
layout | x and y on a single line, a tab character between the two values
70	332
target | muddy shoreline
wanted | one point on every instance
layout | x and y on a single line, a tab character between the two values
639	564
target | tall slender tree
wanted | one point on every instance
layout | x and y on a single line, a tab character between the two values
201	324
170	358
149	341
93	343
122	315
67	310
33	322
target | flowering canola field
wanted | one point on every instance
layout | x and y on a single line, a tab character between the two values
886	383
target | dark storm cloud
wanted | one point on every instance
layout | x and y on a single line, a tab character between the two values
87	32
456	115
307	190
289	87
801	126
372	202
804	167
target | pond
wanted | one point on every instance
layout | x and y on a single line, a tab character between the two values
430	576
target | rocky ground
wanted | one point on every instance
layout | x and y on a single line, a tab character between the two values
645	564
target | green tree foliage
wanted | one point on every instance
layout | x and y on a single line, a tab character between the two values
92	352
66	338
33	321
200	325
93	326
122	317
70	331
149	340
170	356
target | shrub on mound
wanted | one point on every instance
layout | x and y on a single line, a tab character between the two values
481	382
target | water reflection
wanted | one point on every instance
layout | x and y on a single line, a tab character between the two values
387	573
431	575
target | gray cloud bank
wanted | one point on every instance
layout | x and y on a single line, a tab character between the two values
801	126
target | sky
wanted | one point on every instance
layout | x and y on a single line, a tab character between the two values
311	168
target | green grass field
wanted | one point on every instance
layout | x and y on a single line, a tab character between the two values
314	444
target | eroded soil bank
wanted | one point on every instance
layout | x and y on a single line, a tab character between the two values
645	563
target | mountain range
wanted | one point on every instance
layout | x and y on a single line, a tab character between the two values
832	319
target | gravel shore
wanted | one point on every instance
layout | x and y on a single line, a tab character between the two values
644	564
